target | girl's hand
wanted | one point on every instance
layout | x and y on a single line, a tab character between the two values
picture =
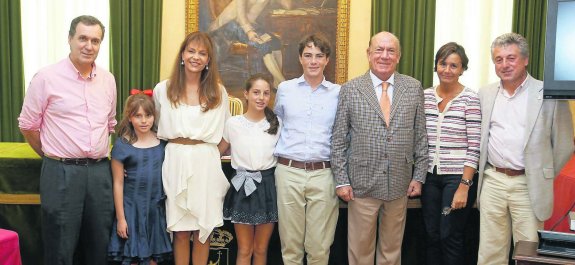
122	229
460	197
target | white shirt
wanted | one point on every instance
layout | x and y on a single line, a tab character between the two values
507	128
377	86
252	148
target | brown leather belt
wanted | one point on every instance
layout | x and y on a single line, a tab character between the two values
304	165
185	141
509	172
79	161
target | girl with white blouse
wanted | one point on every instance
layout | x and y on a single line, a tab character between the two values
250	203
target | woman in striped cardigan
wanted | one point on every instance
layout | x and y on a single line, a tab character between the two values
453	120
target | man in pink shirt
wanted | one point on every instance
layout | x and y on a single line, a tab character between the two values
67	116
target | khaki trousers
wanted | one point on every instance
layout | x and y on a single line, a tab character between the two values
504	208
308	209
363	215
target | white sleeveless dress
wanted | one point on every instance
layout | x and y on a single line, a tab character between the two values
192	175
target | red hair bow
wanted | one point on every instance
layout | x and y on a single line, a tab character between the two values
147	92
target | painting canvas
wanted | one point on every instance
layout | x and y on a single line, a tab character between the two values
262	36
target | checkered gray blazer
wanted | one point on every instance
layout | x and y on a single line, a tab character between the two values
377	161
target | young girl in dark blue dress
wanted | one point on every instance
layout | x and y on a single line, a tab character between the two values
139	233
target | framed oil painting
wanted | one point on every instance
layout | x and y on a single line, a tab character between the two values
262	36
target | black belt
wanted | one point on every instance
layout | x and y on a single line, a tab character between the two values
79	161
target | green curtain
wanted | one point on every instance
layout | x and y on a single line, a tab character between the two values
529	20
135	38
413	22
11	71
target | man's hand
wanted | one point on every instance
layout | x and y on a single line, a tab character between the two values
345	193
414	189
33	139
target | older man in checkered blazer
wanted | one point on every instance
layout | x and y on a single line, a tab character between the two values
379	152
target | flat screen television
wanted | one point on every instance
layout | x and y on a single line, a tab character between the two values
559	75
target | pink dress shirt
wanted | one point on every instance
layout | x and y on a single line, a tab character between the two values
74	115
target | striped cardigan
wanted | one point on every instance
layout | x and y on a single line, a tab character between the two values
454	135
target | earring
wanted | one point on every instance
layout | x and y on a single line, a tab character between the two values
207	67
182	63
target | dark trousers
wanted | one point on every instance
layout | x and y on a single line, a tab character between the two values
77	212
444	233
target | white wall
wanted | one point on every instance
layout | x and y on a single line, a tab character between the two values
45	25
474	24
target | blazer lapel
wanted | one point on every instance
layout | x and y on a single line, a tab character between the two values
487	104
534	103
368	92
398	92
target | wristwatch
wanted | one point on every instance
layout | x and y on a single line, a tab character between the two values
467	182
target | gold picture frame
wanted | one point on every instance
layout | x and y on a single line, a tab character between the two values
195	9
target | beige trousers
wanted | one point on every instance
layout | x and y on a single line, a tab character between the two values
362	224
308	209
504	210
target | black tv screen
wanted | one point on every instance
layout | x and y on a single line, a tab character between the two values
559	75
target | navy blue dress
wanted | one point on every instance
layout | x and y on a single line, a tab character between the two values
144	206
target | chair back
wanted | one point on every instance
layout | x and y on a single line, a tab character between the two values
236	106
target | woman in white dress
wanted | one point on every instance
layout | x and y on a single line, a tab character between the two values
192	108
251	204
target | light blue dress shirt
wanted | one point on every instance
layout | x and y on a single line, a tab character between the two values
308	117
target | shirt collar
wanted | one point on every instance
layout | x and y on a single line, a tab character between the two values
72	67
324	83
518	91
437	97
376	81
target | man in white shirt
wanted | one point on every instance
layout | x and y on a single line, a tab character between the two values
525	141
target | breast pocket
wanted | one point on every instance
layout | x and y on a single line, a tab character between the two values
325	110
99	111
404	114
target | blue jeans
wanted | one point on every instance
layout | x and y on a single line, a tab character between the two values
444	233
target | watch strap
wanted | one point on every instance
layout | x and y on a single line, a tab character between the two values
467	182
